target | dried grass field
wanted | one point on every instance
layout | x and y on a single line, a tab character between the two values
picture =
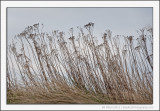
52	68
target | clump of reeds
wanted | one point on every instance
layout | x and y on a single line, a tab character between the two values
50	68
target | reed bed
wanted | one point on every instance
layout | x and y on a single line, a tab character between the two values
52	68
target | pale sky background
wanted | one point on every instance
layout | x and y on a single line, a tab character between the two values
121	21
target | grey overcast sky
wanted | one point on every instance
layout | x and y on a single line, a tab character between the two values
121	21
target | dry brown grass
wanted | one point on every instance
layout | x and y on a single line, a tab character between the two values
72	96
48	69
